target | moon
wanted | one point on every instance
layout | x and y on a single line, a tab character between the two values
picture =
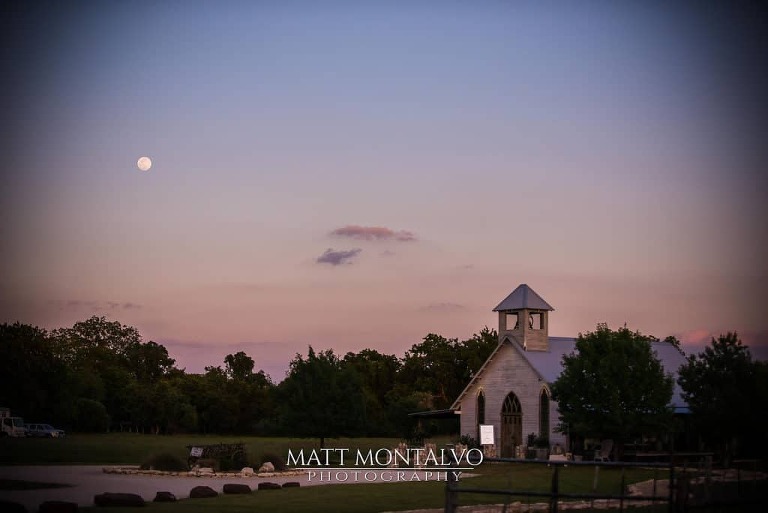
144	163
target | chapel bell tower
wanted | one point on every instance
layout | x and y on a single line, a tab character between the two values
523	319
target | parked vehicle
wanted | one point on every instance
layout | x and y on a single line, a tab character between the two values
11	426
44	431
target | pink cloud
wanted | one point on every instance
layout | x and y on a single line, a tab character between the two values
696	340
373	233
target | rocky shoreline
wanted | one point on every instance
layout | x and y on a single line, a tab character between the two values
201	472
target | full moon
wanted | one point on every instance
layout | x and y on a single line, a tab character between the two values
144	163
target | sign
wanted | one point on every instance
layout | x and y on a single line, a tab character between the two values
486	434
196	452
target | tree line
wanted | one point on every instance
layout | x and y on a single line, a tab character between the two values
99	375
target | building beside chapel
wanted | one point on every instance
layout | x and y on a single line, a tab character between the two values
511	391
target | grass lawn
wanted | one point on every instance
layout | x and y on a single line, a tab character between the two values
133	448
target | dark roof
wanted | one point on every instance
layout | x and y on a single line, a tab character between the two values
436	414
523	297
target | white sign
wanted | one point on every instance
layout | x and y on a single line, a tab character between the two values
486	434
196	452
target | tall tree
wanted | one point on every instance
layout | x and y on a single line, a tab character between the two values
322	398
33	380
721	385
613	386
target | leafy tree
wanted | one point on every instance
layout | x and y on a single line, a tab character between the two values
727	392
239	366
378	373
322	398
250	391
444	366
613	386
148	362
33	380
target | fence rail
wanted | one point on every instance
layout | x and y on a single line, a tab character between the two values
688	478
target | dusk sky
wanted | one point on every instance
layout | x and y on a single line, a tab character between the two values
357	175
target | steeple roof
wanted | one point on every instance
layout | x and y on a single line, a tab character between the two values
523	297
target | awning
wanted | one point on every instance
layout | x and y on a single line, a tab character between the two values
436	414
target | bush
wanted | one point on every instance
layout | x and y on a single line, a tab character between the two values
209	463
469	441
275	459
90	416
235	461
164	461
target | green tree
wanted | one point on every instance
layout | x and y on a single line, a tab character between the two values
726	391
613	386
322	398
378	373
33	380
148	362
250	391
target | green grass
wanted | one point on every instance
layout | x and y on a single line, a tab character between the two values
133	449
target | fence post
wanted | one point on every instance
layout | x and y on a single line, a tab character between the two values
451	496
555	488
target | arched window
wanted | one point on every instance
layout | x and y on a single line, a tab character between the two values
480	417
544	413
481	408
511	426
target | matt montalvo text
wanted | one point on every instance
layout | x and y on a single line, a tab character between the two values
343	464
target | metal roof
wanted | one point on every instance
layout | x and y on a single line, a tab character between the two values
523	297
549	364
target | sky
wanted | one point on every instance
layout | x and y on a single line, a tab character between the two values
354	175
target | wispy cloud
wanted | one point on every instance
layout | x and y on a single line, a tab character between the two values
373	233
79	305
442	307
334	257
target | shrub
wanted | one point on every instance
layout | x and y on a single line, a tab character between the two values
209	463
469	441
235	461
275	459
164	461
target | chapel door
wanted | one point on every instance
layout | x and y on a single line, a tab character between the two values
511	426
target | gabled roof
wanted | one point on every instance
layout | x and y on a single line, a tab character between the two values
523	297
549	364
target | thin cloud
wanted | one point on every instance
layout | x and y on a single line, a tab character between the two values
373	233
443	307
338	257
79	305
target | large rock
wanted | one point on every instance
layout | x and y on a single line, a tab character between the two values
12	507
202	492
57	507
109	499
247	472
269	486
165	497
267	467
237	488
